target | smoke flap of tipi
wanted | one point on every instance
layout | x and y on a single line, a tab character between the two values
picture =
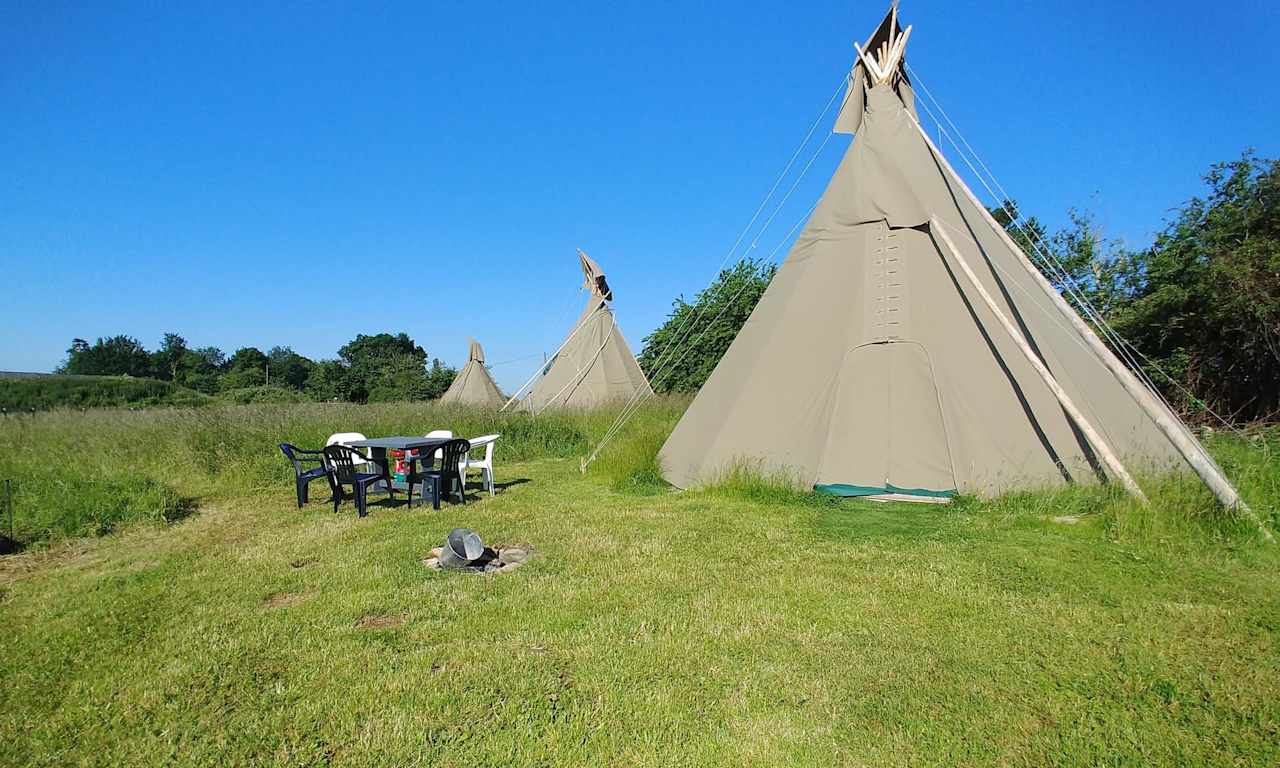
907	348
473	385
594	365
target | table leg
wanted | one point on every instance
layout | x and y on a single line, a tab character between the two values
379	456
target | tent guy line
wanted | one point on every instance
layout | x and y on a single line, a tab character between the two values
1157	409
663	360
1213	474
872	362
1125	348
659	376
584	373
680	330
1101	446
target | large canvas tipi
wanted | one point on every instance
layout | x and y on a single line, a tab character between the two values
473	385
594	365
907	347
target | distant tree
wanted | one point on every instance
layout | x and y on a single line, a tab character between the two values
400	378
439	377
246	368
212	357
329	380
1202	303
364	349
385	367
681	354
1026	231
169	358
1204	299
201	368
114	356
288	368
1081	264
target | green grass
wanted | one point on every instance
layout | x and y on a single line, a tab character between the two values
252	395
175	456
744	624
47	392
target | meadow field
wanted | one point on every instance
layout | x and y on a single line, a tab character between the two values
172	606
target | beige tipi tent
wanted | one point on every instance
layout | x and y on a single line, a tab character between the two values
594	365
473	385
907	347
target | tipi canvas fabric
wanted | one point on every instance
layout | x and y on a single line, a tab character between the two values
473	385
595	365
870	363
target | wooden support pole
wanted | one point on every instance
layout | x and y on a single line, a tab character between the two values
1091	434
1165	420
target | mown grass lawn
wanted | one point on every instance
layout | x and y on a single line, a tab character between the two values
700	628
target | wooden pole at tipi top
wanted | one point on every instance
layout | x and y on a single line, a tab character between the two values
890	57
1168	423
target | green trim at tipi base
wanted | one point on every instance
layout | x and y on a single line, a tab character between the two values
850	491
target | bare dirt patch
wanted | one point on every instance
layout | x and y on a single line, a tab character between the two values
285	599
380	621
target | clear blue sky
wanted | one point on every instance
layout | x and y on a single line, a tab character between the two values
296	174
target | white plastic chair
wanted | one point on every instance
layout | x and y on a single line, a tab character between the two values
444	433
485	465
346	438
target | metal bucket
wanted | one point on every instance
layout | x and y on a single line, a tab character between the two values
462	550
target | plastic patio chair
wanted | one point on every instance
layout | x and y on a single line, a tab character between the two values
302	476
346	438
342	462
445	433
485	465
409	454
437	480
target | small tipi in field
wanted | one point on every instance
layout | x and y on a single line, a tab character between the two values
473	385
907	348
594	365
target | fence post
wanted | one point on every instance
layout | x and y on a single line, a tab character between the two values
7	542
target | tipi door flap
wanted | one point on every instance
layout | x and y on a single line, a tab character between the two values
886	429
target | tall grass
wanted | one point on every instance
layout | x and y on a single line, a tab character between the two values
629	461
84	473
48	392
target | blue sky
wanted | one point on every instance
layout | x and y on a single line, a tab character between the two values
297	174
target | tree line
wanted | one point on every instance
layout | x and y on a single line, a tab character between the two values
1200	305
378	368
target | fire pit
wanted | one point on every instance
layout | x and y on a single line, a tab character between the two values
464	551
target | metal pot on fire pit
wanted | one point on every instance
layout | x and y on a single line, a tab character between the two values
463	551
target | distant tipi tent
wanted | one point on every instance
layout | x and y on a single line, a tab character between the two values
908	348
594	365
473	385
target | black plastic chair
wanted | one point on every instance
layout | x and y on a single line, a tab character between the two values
342	471
451	454
302	475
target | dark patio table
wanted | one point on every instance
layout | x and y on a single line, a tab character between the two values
379	446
